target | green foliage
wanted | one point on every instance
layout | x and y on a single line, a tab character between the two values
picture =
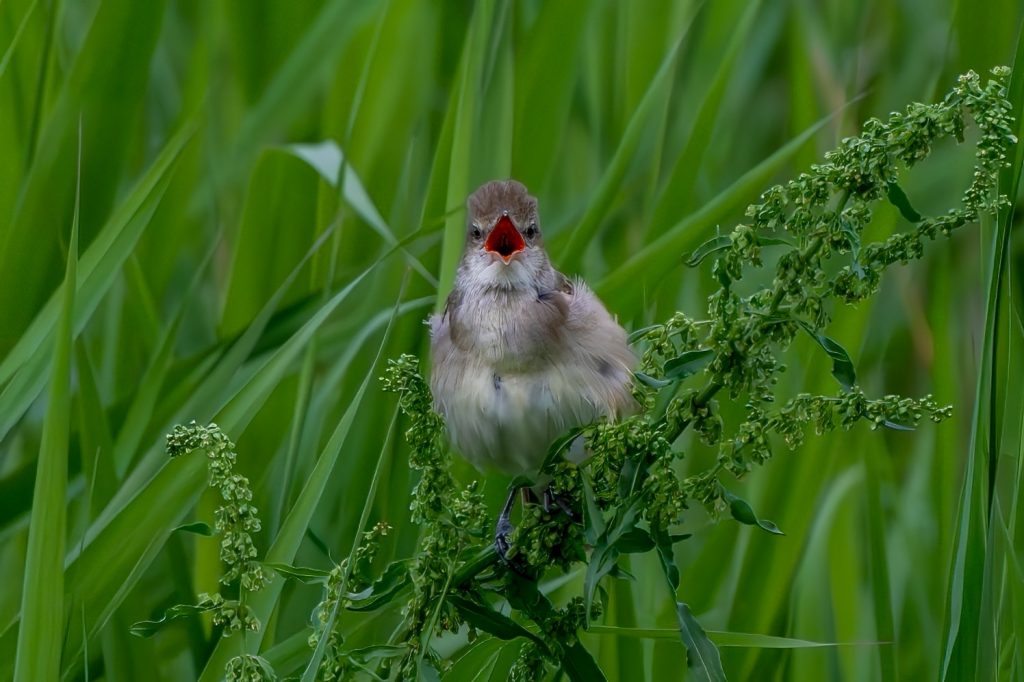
271	193
628	489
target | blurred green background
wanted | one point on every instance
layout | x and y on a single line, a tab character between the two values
221	140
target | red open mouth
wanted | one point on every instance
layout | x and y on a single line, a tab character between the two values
505	239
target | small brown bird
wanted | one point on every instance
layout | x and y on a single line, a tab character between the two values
521	353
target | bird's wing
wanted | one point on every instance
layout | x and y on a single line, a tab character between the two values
602	346
443	327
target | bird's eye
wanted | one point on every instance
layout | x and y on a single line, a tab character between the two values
531	231
476	232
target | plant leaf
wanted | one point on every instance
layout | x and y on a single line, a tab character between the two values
713	245
579	665
702	656
148	628
666	556
197	527
648	380
308	576
687	363
842	365
898	198
42	598
483	617
395	577
635	541
744	513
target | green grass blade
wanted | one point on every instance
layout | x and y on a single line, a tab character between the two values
723	639
293	530
292	86
654	101
624	284
43	611
968	643
97	76
97	271
466	110
677	196
885	629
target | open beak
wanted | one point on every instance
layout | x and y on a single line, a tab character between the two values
505	239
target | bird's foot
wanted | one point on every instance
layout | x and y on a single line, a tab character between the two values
562	502
503	538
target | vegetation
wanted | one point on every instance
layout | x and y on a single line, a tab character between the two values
259	203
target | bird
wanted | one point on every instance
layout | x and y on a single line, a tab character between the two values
521	353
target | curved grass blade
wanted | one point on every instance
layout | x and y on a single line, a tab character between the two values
621	286
677	196
26	367
653	101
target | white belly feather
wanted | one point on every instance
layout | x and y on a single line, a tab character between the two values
507	421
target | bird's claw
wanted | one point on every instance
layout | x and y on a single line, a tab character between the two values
502	536
551	500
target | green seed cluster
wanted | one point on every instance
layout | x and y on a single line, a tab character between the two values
249	668
236	521
560	628
452	519
344	580
823	215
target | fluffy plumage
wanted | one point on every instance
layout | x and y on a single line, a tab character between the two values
521	353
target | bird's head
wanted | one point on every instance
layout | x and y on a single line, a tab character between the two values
503	240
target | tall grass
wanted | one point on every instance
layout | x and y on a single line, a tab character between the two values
258	179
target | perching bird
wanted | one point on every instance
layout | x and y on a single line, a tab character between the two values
521	353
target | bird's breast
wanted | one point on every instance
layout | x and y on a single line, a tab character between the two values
507	420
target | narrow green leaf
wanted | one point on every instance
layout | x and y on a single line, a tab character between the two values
744	513
392	581
43	617
687	364
702	657
28	361
327	159
482	617
648	380
148	628
308	576
293	84
898	198
93	77
196	527
678	195
842	365
724	639
713	245
642	333
466	110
